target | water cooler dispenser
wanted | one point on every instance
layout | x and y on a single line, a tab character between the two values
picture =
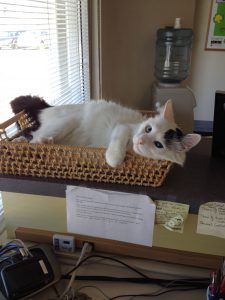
172	62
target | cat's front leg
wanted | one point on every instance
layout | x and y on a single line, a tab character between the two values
116	150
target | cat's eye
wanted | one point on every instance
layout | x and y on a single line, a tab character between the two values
148	128
158	144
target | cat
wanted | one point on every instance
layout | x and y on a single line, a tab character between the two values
101	123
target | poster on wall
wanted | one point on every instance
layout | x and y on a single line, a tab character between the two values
215	39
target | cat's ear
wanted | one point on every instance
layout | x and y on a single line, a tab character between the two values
190	140
167	111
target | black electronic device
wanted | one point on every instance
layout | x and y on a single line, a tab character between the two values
22	277
218	142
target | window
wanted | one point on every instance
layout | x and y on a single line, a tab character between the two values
44	51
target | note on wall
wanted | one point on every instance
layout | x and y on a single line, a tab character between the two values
211	219
110	215
171	215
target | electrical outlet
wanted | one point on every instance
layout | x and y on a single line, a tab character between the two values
63	243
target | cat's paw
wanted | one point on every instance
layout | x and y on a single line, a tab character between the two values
113	158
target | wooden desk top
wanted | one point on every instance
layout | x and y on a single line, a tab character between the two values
201	180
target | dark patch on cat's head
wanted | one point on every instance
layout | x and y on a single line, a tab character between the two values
32	105
173	138
28	103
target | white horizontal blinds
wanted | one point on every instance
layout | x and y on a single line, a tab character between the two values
69	51
85	48
49	49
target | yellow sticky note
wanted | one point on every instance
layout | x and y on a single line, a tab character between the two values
171	215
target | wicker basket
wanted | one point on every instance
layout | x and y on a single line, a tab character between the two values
69	162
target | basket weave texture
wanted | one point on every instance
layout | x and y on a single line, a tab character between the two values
74	163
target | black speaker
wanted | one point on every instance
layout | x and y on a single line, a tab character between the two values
218	142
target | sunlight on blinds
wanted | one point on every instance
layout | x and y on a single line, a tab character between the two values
44	51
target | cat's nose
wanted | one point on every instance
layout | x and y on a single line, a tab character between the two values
140	141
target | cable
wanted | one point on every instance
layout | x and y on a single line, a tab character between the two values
14	247
109	258
21	245
151	270
159	281
152	294
68	289
7	249
186	284
183	284
162	282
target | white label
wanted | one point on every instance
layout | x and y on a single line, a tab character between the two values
43	266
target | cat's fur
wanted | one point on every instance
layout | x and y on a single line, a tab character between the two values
107	124
32	106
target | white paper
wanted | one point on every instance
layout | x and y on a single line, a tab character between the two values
110	215
211	219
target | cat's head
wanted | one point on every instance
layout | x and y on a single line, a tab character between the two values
160	138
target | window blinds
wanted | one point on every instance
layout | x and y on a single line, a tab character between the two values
44	49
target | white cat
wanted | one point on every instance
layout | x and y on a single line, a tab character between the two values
107	124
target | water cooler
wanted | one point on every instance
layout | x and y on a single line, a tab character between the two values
172	62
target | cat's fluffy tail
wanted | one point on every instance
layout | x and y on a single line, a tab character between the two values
32	106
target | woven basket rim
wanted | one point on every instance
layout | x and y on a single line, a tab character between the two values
70	147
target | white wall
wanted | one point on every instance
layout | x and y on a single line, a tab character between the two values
208	67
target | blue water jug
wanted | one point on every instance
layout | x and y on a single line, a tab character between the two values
173	54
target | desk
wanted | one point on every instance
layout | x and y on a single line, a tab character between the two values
201	180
